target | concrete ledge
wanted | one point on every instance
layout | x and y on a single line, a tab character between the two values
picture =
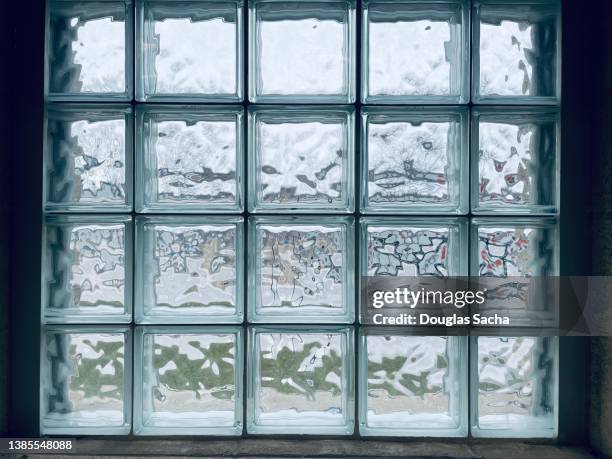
316	448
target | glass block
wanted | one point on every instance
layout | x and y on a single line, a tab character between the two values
414	161
301	159
89	50
87	269
302	51
188	381
86	386
515	160
517	55
88	158
192	270
415	52
520	247
300	381
189	50
413	385
514	388
189	159
301	270
413	247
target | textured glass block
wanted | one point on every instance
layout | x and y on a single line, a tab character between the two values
300	381
414	161
189	50
188	381
515	160
517	247
302	51
87	269
514	389
301	269
192	270
301	159
85	386
415	52
516	55
413	247
89	50
413	386
88	158
189	159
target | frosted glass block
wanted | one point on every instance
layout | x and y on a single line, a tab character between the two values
515	160
87	269
517	56
413	247
189	159
86	386
189	50
413	385
302	51
514	389
415	52
88	158
89	50
301	159
520	247
192	270
301	270
414	161
300	381
188	381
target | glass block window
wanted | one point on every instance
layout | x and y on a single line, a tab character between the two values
218	176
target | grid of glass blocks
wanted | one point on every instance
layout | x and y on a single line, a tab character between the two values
191	270
140	122
169	70
86	380
300	380
188	381
415	51
190	159
515	386
412	385
301	159
414	160
88	154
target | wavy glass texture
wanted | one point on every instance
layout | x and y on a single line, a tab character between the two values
302	51
88	156
80	64
83	382
527	248
516	392
189	382
210	70
302	160
415	52
301	382
518	53
413	385
86	274
300	270
414	162
191	160
192	270
517	161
